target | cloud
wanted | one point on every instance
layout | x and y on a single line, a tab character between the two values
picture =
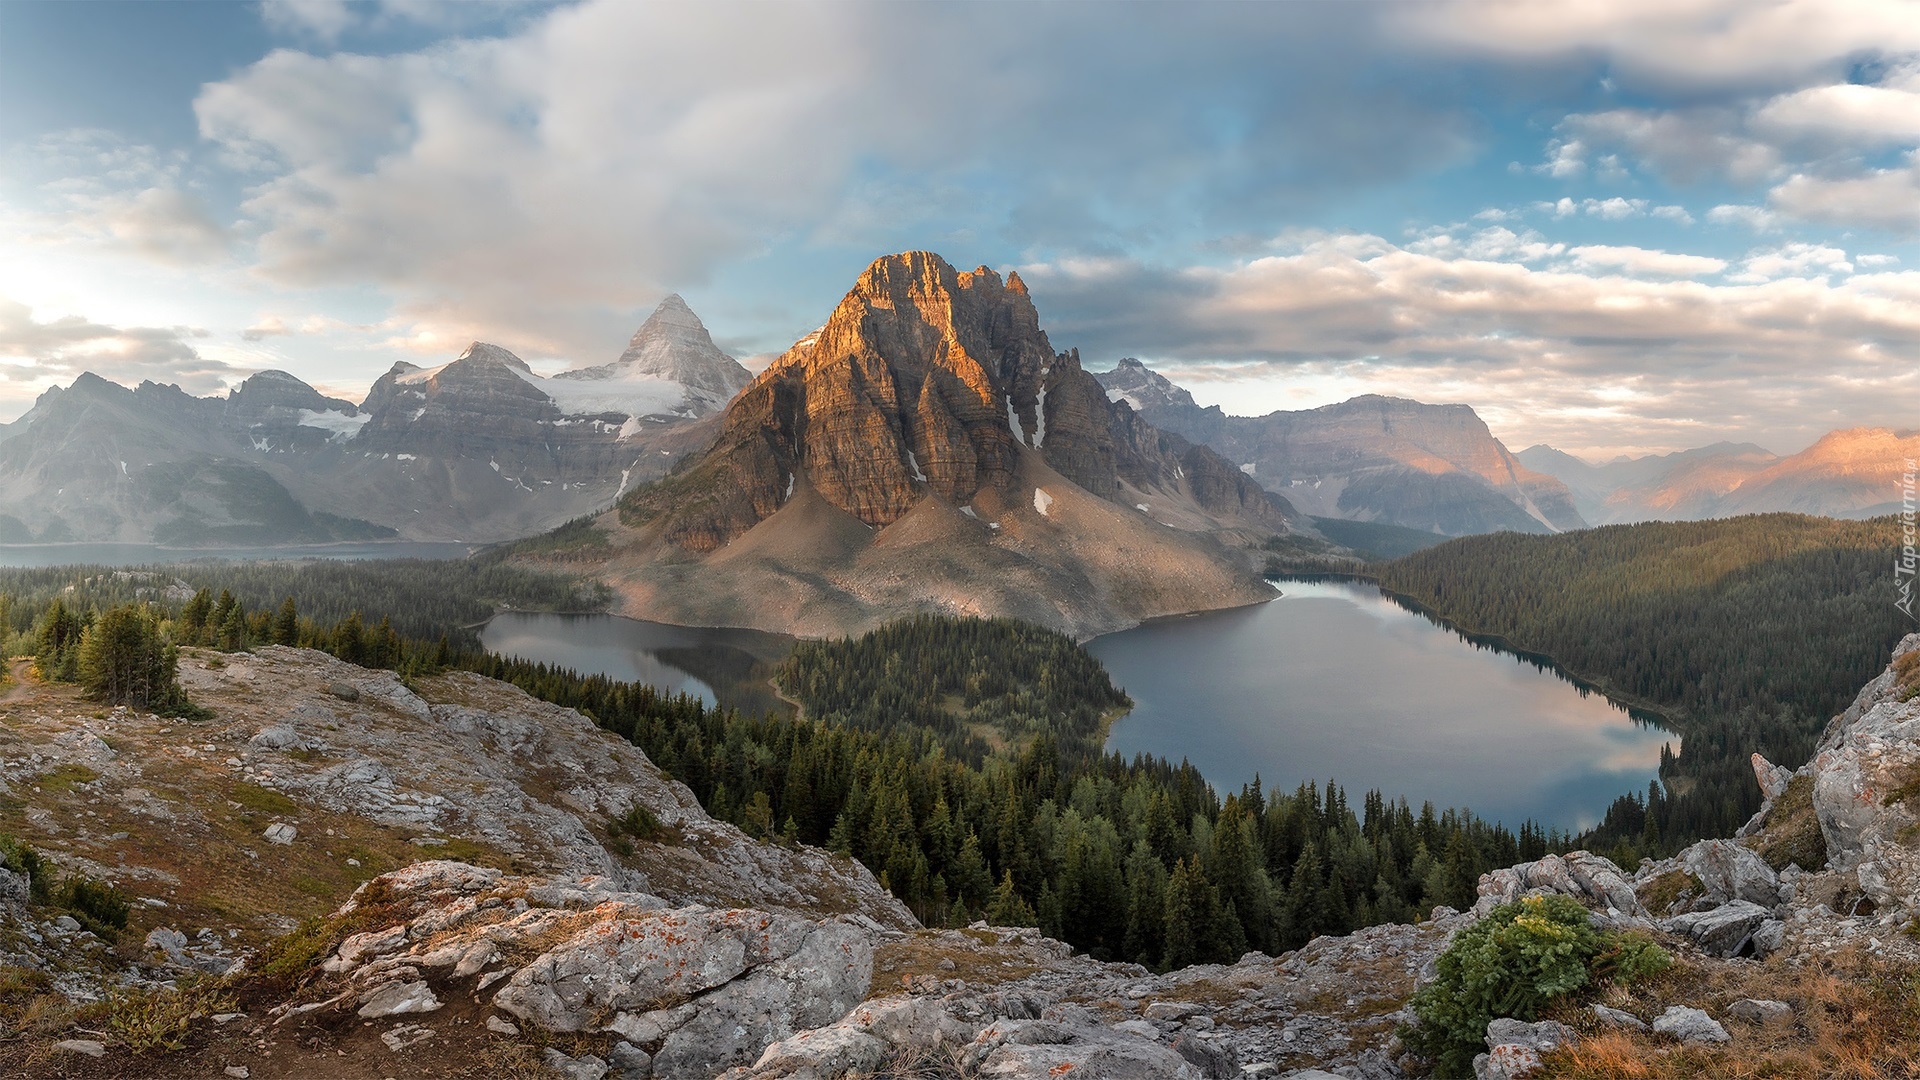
1757	218
1637	260
1880	198
36	354
1556	353
539	185
1683	145
1671	43
1676	214
1846	112
1793	260
323	19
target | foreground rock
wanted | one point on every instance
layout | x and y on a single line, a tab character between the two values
693	989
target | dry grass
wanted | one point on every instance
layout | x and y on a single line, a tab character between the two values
1854	1017
1660	894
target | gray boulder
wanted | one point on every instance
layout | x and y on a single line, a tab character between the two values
1690	1025
1591	879
1725	931
1508	1061
1618	1019
1543	1035
1759	1010
1732	871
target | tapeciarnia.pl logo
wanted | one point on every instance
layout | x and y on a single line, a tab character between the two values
1903	567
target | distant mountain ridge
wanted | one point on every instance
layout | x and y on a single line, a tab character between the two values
479	449
1391	460
928	450
1848	473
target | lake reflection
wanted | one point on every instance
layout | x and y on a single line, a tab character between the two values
714	664
1332	680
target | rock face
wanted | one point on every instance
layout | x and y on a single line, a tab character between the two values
1430	467
479	449
1866	784
928	439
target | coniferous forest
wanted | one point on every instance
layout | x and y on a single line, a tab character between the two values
1747	634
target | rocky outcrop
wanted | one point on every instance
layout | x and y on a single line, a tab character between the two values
1866	784
1430	467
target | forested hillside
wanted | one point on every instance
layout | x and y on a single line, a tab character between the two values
1746	633
977	683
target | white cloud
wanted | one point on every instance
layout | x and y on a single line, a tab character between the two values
1615	208
1757	218
1845	112
1676	214
1638	260
1565	159
324	19
1879	198
1684	145
1673	42
1876	261
1495	244
1793	260
36	354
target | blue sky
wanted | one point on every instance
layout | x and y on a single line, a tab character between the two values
1614	227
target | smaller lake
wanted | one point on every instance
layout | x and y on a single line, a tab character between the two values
83	554
715	664
1334	681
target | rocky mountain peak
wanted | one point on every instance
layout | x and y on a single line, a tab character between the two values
492	354
673	346
1142	388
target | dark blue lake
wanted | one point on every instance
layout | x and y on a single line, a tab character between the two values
1333	680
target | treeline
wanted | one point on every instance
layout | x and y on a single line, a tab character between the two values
1745	633
974	682
423	598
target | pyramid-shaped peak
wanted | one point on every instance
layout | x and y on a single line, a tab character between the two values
494	354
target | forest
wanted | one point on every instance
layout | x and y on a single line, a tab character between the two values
1746	634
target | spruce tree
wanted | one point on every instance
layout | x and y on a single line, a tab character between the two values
1006	907
286	625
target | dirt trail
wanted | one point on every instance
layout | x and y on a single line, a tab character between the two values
21	683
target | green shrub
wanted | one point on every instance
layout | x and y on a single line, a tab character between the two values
1514	963
22	859
638	822
97	906
159	1019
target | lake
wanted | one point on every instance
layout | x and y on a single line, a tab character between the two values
87	554
714	664
1329	681
1334	681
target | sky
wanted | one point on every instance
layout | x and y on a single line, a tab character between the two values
1613	226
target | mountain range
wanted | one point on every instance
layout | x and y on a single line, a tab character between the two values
1849	473
478	449
928	450
1391	460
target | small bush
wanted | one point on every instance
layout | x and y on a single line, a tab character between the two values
638	822
149	1020
22	859
1514	962
97	906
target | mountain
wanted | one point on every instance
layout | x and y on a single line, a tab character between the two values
478	449
1431	467
1850	473
928	450
672	346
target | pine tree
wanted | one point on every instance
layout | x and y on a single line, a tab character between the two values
1146	934
1006	907
233	629
286	625
193	618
